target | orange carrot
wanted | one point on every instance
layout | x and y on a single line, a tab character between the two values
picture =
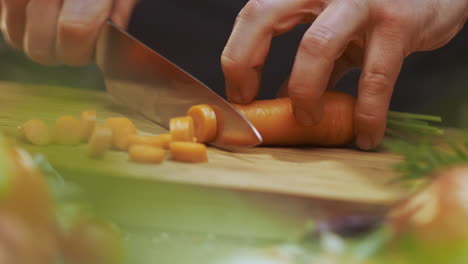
155	141
88	121
100	141
182	128
67	130
146	154
275	121
166	139
122	128
188	152
204	120
36	132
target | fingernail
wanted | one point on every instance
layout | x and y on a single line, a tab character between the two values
304	118
233	94
364	142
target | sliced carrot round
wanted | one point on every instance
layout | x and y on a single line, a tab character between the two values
155	141
122	128
188	152
88	121
100	141
36	132
146	154
181	128
67	130
166	140
204	120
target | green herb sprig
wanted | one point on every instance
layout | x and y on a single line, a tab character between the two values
422	159
411	126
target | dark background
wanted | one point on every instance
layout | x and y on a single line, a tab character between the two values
193	34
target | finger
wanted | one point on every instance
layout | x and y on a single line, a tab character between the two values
13	21
382	63
322	44
351	58
244	55
283	90
41	29
122	12
78	27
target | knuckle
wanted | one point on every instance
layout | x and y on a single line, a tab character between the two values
301	93
366	117
317	41
376	83
76	29
394	15
229	64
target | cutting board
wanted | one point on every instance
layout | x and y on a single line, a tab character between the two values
326	173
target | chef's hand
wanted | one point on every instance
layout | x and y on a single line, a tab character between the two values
59	31
382	34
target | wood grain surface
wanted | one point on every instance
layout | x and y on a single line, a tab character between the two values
326	173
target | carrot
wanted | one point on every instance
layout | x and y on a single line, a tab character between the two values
188	152
154	141
204	120
122	128
166	140
276	123
100	141
88	121
36	132
67	130
181	128
146	154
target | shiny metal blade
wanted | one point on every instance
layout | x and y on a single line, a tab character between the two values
144	80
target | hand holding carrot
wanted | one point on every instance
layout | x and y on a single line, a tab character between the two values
374	34
59	31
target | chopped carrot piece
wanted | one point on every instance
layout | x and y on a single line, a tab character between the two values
181	128
204	120
166	139
88	121
122	128
100	141
67	130
155	141
188	152
146	154
36	132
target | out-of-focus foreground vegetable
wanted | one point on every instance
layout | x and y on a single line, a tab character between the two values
32	226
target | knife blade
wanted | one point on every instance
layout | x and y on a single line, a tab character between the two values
147	82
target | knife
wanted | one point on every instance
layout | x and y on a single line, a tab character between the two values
150	84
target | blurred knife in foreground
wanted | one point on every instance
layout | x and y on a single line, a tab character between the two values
147	82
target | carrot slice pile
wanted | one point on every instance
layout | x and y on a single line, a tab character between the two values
67	130
275	121
146	154
99	141
181	128
188	152
166	140
154	141
204	119
88	121
36	132
122	128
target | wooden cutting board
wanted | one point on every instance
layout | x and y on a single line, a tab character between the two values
328	173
